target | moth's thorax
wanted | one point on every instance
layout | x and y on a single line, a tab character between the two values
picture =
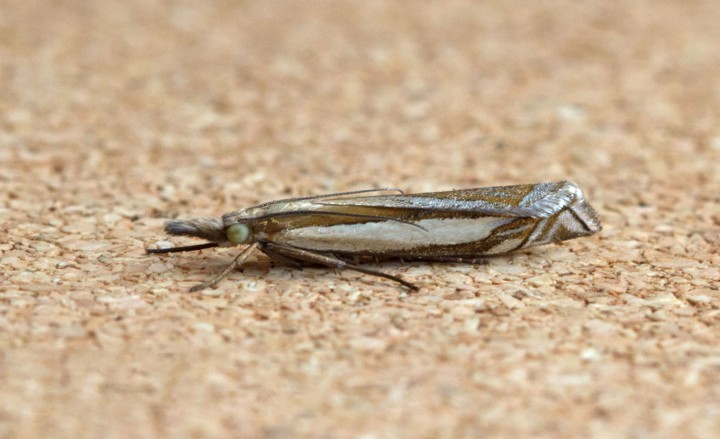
264	211
237	216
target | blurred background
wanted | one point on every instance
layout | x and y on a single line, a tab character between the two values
223	99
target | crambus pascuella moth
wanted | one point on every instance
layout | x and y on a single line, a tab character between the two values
342	229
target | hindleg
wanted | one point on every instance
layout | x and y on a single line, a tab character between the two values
311	257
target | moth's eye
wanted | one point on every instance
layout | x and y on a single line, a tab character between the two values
237	233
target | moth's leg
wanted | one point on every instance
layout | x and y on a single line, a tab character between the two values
187	248
278	257
360	259
237	262
272	250
354	259
330	261
447	259
300	263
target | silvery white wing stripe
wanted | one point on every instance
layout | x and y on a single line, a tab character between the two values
391	236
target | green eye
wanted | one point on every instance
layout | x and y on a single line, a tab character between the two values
237	233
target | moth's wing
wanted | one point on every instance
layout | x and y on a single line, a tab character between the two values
319	197
532	200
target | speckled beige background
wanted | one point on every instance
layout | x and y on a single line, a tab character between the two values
115	116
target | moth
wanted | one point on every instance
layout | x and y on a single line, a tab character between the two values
341	230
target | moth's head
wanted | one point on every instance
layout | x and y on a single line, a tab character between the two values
237	228
210	229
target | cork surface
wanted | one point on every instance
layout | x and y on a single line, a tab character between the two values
115	116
